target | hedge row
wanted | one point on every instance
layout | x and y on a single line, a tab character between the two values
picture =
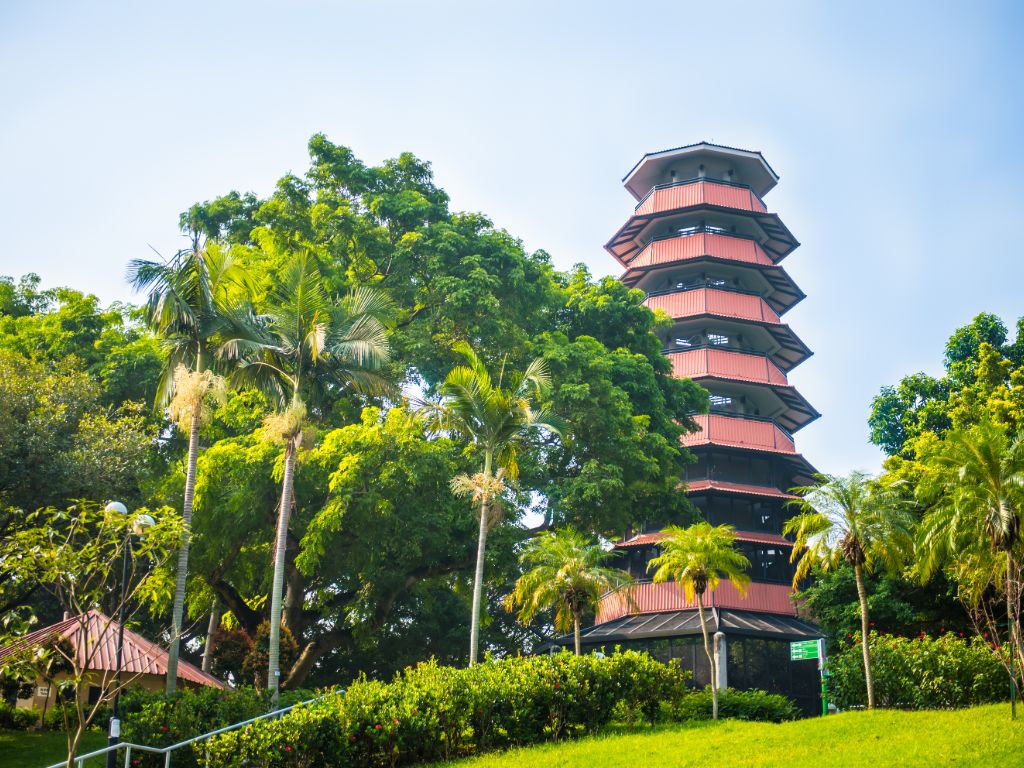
430	712
920	673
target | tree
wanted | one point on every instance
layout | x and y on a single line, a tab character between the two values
76	554
304	345
853	520
973	492
567	572
698	558
496	420
187	307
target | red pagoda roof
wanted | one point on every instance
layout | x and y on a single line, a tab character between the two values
648	597
747	490
95	642
754	537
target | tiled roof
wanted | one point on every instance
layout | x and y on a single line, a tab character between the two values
94	638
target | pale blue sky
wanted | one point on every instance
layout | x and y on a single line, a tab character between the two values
895	127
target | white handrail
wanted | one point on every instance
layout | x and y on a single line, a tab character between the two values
169	750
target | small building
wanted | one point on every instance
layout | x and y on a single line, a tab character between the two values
704	248
94	638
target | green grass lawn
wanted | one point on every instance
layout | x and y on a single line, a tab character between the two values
982	736
38	749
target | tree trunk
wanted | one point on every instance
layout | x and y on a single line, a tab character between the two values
274	667
1011	620
186	534
711	656
211	628
478	579
576	632
862	596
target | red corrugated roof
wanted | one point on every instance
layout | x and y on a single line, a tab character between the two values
94	638
757	537
647	597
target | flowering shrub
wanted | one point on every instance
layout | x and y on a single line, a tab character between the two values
430	712
921	673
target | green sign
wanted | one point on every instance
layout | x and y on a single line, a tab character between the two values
803	650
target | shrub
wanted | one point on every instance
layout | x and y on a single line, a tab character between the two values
737	705
430	712
156	719
16	719
921	673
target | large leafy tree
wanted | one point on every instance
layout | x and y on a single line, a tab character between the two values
301	348
972	488
698	558
187	306
568	572
496	415
855	521
377	542
984	378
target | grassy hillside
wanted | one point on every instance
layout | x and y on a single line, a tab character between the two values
983	736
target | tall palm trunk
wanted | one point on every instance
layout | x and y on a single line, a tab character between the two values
478	579
277	587
1011	619
210	630
186	534
862	596
711	656
576	632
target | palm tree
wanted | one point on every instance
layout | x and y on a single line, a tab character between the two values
305	345
973	490
186	307
567	572
850	520
496	420
698	558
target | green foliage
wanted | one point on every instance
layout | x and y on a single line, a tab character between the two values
567	571
69	329
159	719
59	443
984	377
920	673
735	705
699	557
430	712
18	719
896	605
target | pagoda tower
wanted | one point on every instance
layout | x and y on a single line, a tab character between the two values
704	248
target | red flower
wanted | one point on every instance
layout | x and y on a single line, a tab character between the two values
164	728
556	686
287	748
395	721
378	726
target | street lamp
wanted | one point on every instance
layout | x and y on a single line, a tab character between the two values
140	524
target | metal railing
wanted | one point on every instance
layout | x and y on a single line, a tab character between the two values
680	182
169	751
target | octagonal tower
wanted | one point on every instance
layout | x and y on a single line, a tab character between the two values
704	248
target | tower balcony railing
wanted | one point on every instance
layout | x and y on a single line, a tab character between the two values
740	431
710	360
647	597
714	301
708	282
687	193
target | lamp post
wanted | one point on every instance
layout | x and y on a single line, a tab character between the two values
140	524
